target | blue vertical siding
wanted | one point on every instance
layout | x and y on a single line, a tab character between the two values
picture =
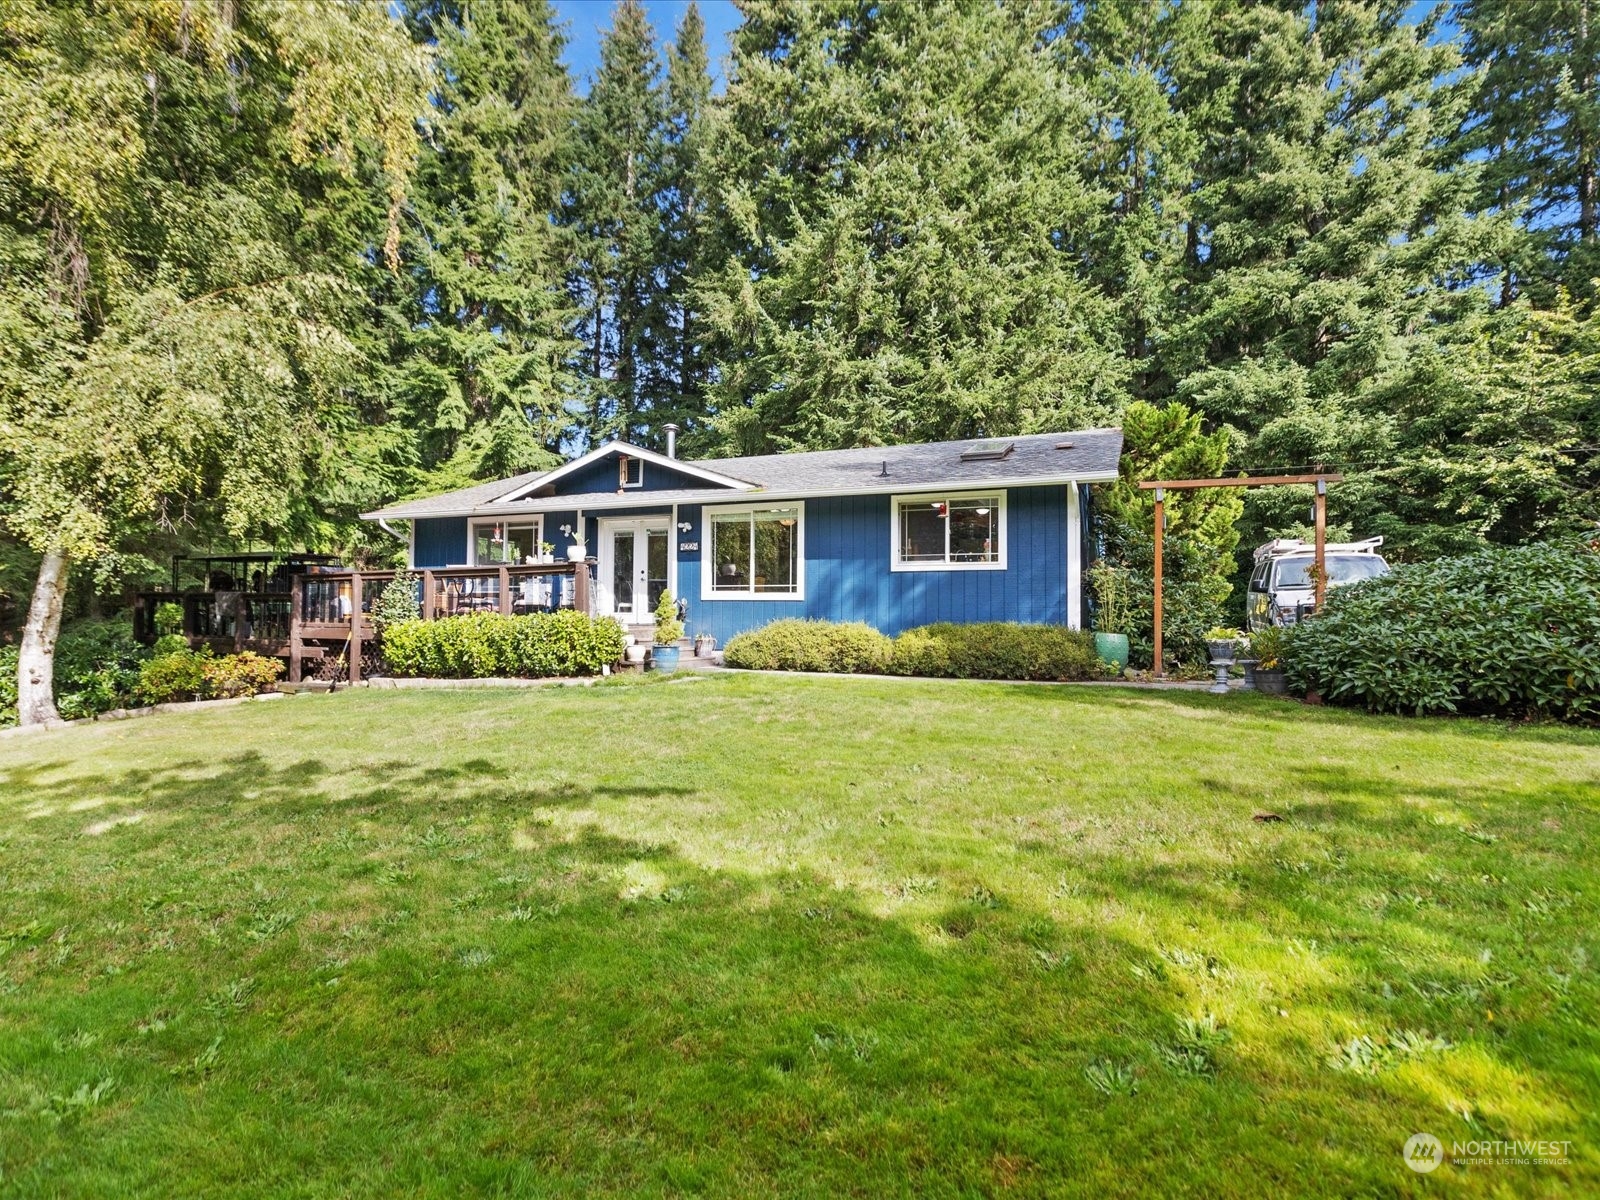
439	542
848	576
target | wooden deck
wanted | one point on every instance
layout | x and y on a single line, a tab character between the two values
323	621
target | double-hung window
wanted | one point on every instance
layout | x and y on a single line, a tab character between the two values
948	531
753	553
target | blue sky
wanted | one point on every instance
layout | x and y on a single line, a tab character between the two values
586	18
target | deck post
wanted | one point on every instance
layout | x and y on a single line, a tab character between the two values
505	588
427	595
355	626
295	647
238	622
1160	523
580	587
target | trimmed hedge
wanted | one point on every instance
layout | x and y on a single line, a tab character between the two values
997	650
490	644
993	650
1511	631
794	644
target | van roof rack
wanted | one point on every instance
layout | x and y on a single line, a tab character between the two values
1282	547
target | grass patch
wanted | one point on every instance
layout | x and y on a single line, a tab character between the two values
753	936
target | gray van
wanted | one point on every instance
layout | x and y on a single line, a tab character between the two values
1281	587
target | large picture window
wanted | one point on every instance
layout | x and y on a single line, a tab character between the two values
949	531
496	542
754	553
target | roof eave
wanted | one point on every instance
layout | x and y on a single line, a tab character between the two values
639	499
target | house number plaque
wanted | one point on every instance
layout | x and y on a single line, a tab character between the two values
688	545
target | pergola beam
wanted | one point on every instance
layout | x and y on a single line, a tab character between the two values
1179	485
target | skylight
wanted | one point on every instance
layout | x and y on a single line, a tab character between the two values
987	451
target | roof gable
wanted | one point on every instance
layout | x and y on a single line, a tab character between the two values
578	476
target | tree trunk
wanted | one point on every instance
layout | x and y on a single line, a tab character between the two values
36	658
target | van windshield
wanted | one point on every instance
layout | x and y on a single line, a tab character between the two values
1342	568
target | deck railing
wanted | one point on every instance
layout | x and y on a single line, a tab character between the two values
321	614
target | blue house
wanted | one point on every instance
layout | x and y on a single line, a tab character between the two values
896	536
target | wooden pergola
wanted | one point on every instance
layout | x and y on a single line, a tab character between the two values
1160	486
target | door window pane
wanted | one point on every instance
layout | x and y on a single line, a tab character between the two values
656	557
622	570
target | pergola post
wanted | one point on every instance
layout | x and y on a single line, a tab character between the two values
1320	519
1319	516
1161	522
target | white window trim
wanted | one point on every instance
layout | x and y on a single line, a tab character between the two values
708	514
996	494
624	462
536	520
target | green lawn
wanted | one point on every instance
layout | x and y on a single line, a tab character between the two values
745	936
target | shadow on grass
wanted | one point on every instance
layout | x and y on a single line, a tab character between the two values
580	1012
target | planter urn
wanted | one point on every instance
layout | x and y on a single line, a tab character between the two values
1222	660
1112	649
577	552
665	658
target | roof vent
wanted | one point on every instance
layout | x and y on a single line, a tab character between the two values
987	451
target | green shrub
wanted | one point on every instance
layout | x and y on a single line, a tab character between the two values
169	643
997	650
178	676
242	674
794	644
1268	645
482	645
668	628
1508	630
397	602
168	618
97	666
8	685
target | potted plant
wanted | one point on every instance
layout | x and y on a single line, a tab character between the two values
704	645
547	552
668	630
579	550
1113	590
1268	646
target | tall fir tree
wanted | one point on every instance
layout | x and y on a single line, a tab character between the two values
480	374
901	227
677	389
1535	122
612	204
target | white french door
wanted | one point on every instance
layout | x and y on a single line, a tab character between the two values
634	567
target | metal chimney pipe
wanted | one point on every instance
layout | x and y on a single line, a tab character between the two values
672	440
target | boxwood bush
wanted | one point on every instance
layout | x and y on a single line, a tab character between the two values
1511	631
993	650
997	650
491	644
794	644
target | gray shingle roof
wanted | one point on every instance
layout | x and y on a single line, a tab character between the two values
1087	455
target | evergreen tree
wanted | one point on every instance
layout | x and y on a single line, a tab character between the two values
676	390
901	228
1536	124
480	379
612	203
